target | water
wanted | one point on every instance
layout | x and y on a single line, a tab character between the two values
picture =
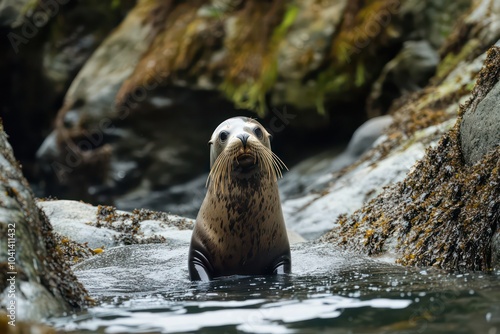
328	292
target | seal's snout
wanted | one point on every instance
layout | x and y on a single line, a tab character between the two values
245	160
243	137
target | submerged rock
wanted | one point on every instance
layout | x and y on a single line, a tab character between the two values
35	280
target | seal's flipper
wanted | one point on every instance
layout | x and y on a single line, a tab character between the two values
199	267
283	265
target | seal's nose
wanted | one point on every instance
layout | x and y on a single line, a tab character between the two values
243	137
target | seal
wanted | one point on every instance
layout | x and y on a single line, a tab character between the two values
240	229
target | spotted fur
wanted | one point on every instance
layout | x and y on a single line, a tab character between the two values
240	228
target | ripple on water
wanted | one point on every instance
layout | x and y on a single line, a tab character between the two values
328	290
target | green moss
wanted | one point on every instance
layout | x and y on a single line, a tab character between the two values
350	66
360	75
250	94
330	81
115	4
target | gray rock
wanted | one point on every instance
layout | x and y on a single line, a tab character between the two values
315	213
35	280
432	20
495	251
408	72
480	128
78	222
72	219
314	173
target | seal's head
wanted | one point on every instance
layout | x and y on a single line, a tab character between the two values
241	148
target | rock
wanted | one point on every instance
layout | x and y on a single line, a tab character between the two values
314	173
75	36
46	43
105	227
438	21
35	278
74	220
495	251
328	193
315	213
445	212
480	130
408	72
94	94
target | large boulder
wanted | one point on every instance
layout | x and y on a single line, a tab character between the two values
36	282
328	196
445	212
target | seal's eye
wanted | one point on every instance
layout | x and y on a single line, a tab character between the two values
223	136
258	132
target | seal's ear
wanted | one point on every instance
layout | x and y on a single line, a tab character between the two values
210	142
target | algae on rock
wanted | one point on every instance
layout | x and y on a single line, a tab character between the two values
41	282
445	213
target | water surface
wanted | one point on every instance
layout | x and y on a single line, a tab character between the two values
328	292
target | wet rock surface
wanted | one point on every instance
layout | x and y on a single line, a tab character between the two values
74	220
314	173
104	227
441	199
480	130
36	282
